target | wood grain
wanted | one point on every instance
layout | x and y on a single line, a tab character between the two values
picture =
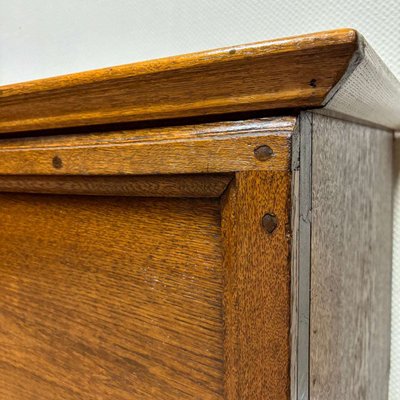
351	261
301	210
285	73
369	92
208	148
257	287
200	185
110	298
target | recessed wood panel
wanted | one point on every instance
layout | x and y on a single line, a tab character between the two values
110	298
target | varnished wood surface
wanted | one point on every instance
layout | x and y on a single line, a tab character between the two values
204	148
285	73
257	295
195	185
351	245
110	298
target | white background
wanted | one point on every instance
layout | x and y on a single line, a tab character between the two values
41	38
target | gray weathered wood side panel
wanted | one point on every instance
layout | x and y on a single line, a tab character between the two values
367	92
350	261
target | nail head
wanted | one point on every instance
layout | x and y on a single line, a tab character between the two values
269	222
57	162
263	153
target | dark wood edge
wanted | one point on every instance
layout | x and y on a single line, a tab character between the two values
192	185
301	256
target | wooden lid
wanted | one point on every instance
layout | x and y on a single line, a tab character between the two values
333	70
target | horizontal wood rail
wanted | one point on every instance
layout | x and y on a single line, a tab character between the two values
208	148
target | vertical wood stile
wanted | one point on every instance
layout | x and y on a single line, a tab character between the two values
257	293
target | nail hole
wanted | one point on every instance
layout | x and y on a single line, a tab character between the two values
57	162
314	381
313	83
233	51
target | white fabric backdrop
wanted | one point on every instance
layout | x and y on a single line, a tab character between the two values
41	38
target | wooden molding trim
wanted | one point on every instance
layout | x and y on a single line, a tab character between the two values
368	92
208	148
334	70
193	185
285	73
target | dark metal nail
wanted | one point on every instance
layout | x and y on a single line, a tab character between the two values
263	153
269	222
57	162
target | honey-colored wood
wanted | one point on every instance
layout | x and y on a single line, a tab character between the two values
208	148
257	294
173	317
132	289
113	297
110	298
336	72
285	73
195	185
